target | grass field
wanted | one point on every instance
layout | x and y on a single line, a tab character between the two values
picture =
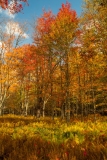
28	138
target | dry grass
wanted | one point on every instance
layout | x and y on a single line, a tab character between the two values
26	144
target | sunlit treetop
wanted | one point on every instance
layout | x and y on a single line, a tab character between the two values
14	6
66	11
44	22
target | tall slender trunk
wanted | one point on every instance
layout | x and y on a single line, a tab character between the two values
26	103
92	89
51	84
61	88
79	87
44	105
67	77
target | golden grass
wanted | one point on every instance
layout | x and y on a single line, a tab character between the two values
27	138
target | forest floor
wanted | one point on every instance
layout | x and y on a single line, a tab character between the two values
28	138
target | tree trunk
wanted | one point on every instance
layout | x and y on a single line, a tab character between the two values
67	107
0	111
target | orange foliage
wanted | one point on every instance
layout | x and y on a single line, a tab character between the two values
66	12
44	23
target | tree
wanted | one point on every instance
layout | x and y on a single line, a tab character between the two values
14	6
63	35
55	36
8	40
93	50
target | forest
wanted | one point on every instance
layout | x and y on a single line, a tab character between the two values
53	91
63	72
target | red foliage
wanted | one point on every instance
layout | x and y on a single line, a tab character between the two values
31	61
14	6
45	22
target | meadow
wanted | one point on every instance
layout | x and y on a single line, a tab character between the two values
29	138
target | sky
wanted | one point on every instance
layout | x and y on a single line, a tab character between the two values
35	10
36	7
